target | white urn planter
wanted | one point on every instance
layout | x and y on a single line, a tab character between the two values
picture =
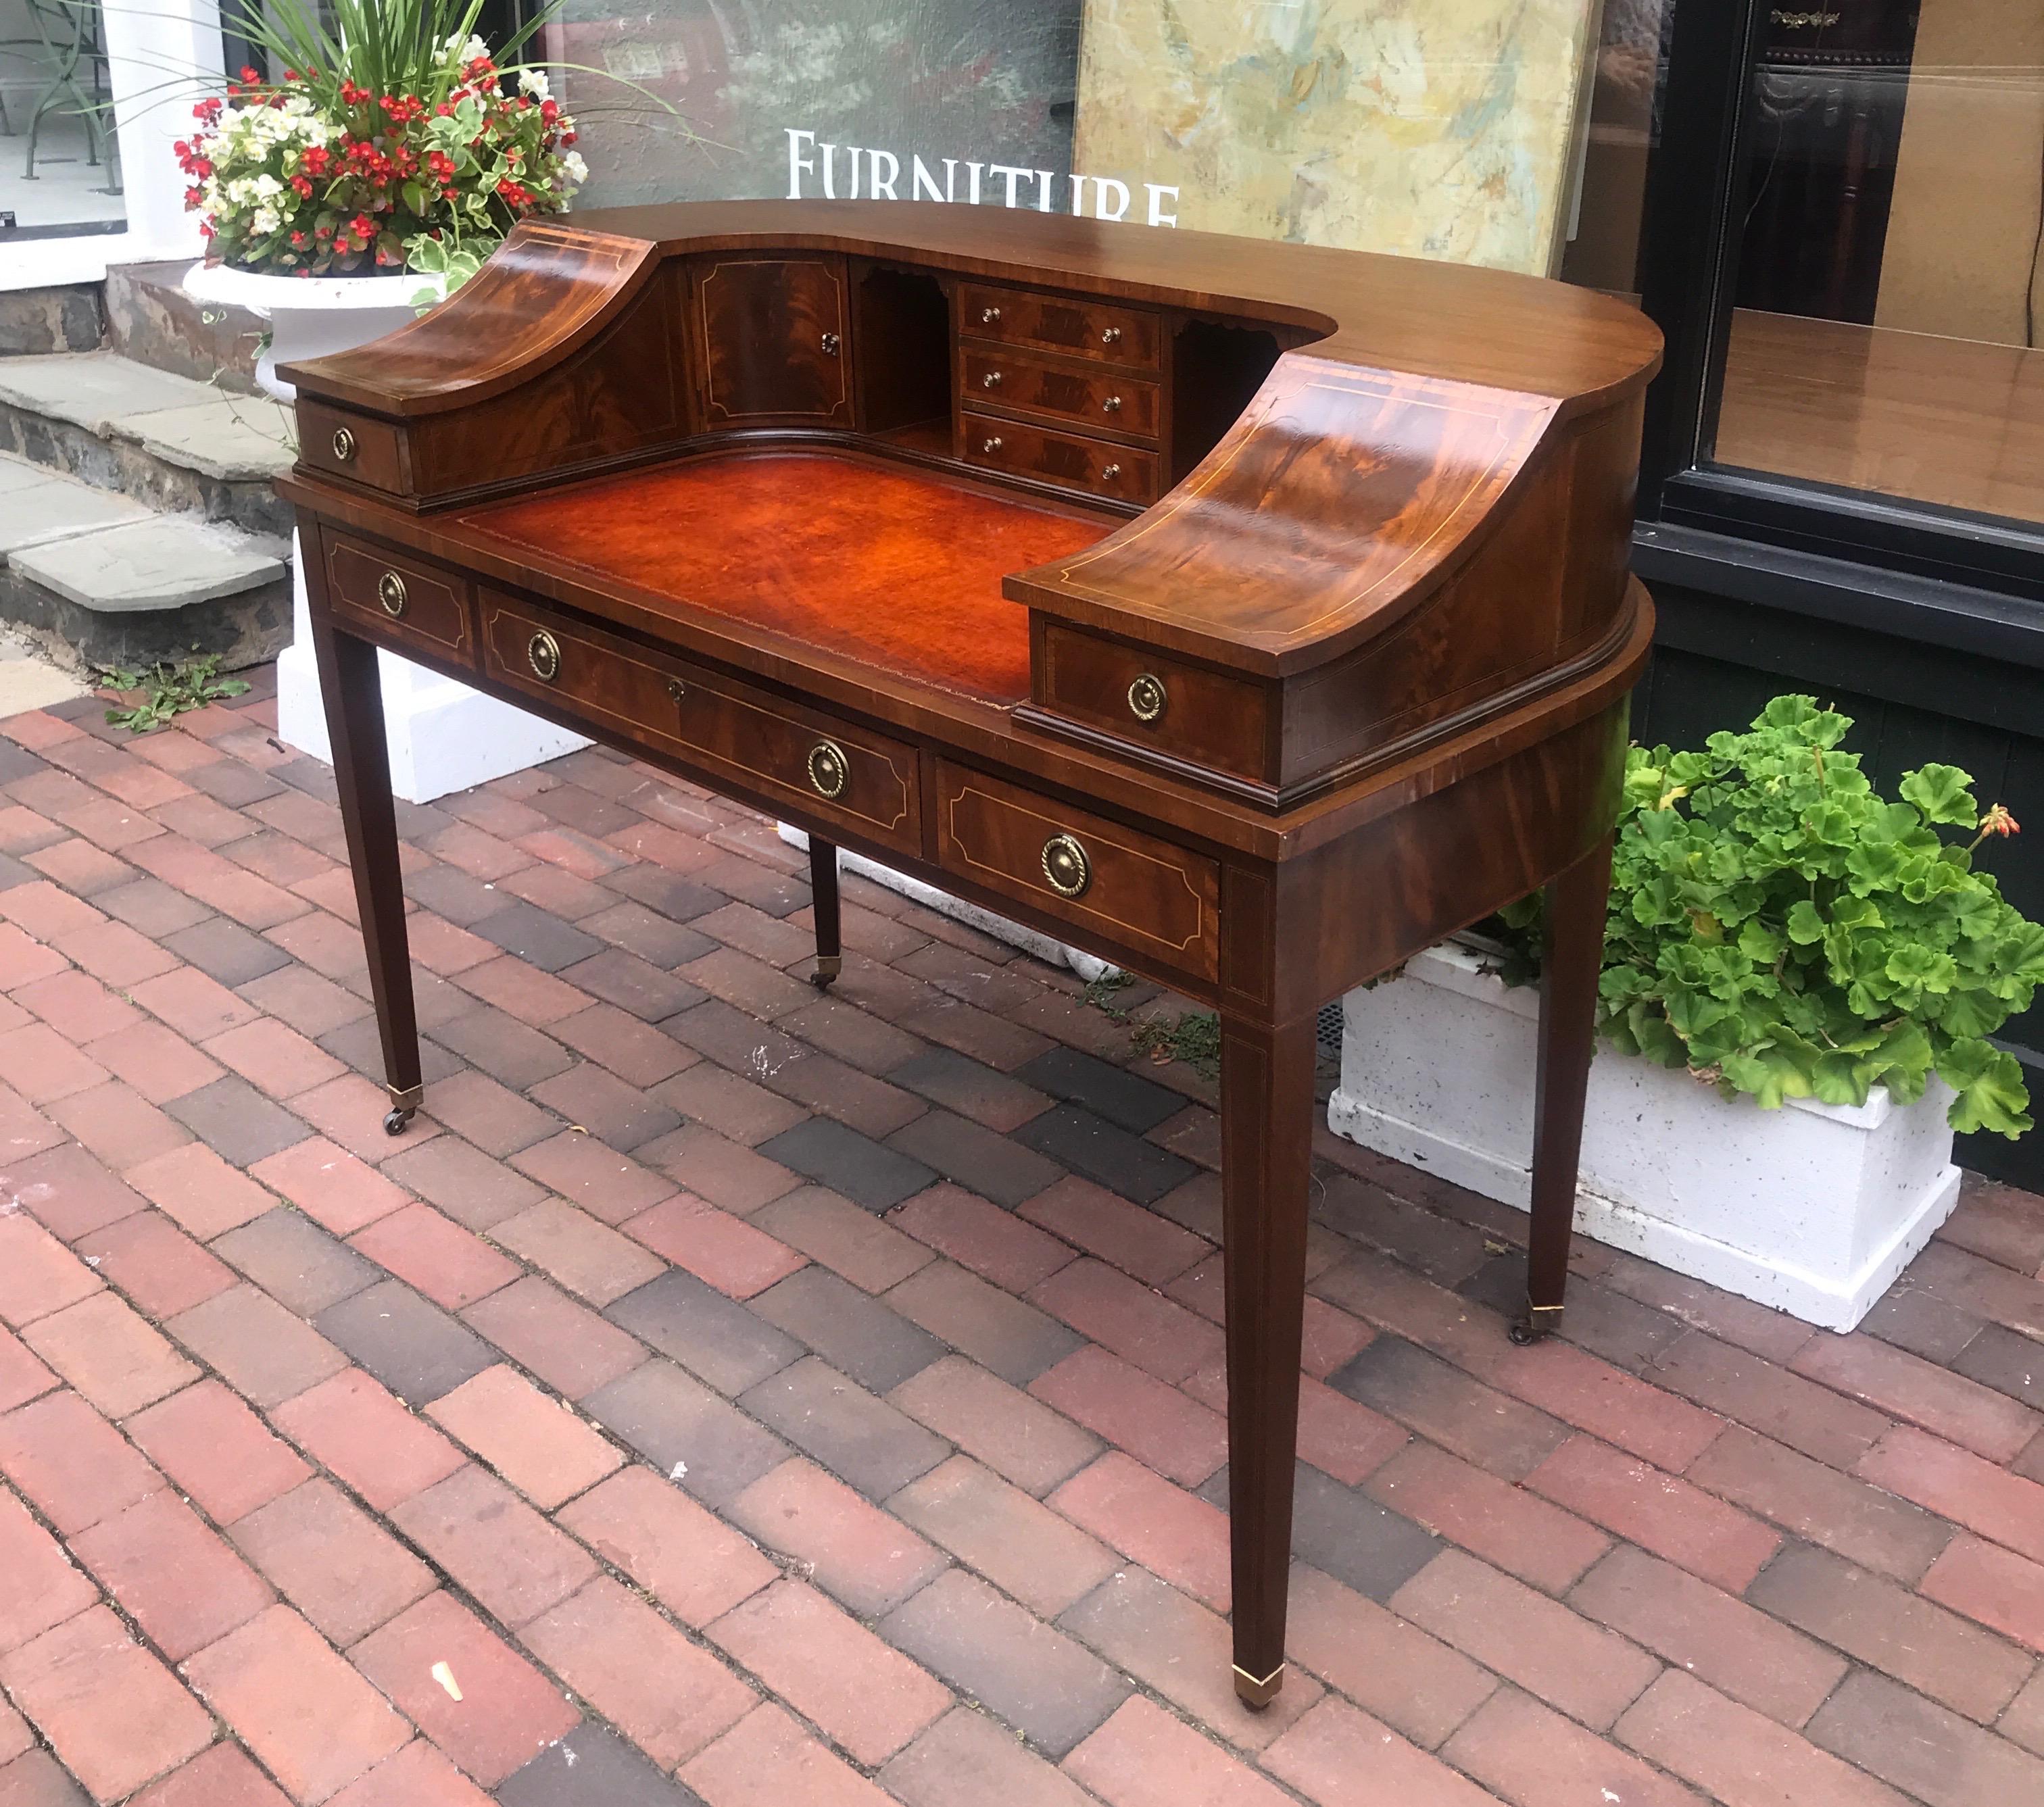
443	736
1814	1208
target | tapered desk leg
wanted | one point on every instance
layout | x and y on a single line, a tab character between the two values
1570	966
823	888
1266	1092
353	693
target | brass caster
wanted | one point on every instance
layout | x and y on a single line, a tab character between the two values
404	1102
828	966
1255	1694
1540	1321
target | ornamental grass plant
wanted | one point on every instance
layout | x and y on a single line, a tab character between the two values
1783	931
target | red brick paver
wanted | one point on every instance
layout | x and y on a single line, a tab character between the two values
650	1418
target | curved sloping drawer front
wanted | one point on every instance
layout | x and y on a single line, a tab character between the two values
1148	896
819	767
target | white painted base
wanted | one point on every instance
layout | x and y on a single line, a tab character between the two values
1814	1208
1031	941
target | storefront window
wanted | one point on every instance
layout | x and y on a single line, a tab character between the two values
59	165
1887	295
1452	135
1628	80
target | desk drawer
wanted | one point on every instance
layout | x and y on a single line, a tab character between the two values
1083	329
408	600
1106	400
825	769
1138	694
1100	467
1148	895
352	445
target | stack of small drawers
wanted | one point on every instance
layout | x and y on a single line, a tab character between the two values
1066	391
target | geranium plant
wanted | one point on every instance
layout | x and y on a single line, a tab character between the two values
1778	928
392	139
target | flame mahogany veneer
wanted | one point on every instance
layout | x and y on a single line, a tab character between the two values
1253	616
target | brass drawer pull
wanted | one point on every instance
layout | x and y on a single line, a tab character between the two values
1148	698
1065	865
990	445
1110	335
830	343
343	444
991	380
1112	406
1109	474
675	690
390	593
988	315
828	768
543	653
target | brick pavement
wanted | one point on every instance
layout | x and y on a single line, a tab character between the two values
727	1394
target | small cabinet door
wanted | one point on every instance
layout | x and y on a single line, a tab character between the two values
771	337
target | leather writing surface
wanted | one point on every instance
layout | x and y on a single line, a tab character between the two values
888	565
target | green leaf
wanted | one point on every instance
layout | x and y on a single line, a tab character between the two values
1989	1083
1804	926
1940	792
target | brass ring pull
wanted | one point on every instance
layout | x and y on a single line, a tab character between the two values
828	768
543	653
988	315
675	690
1110	335
1065	865
343	444
830	343
1148	698
390	593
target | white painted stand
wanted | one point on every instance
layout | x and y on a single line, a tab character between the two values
1814	1208
1031	941
443	736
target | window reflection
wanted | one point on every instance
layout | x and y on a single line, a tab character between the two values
1888	288
964	79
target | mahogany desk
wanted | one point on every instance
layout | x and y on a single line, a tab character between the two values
1252	615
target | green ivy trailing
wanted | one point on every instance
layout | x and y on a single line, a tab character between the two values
1776	927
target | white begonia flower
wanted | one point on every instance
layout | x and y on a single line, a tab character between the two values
473	49
578	170
533	81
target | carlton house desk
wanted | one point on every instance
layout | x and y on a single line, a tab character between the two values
1251	616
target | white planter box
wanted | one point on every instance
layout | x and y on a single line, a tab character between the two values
1813	1209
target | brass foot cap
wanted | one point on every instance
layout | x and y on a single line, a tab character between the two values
1540	1321
828	966
1255	1694
406	1097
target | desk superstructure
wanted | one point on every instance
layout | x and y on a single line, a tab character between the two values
1251	616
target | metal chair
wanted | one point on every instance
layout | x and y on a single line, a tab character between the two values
69	30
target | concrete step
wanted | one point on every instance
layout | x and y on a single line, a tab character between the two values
151	319
167	441
98	580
